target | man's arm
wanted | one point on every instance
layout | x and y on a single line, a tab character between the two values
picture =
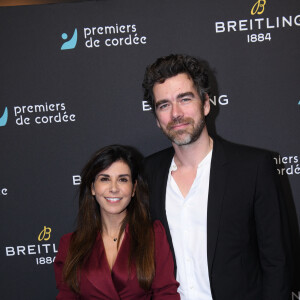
268	222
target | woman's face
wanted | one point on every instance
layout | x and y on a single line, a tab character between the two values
113	189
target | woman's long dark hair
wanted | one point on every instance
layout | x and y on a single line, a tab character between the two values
89	219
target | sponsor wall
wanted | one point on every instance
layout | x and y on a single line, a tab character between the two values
71	83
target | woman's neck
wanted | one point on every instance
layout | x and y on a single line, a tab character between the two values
111	224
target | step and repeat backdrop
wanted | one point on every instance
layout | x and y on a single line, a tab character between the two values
70	83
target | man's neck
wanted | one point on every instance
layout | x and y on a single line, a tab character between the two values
191	155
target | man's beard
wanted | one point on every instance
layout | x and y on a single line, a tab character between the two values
184	136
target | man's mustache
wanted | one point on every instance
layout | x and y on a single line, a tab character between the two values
179	120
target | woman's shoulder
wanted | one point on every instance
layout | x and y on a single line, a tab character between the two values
66	237
158	227
63	247
65	240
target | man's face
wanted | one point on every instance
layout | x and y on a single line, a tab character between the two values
179	110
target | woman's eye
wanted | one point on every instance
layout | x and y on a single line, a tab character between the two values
104	179
123	179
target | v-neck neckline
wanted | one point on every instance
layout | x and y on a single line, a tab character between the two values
118	253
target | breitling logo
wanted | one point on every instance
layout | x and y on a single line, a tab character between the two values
44	234
258	7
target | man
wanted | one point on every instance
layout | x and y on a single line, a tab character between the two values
218	201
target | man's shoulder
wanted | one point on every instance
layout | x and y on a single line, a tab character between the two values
158	162
160	156
241	152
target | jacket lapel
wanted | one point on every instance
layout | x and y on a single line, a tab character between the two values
99	274
217	184
119	272
158	177
158	194
163	182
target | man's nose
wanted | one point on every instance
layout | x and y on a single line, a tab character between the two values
176	111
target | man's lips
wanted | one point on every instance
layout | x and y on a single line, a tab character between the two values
178	126
113	199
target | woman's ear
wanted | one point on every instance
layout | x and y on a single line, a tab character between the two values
93	189
134	188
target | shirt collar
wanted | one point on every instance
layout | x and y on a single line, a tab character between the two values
206	159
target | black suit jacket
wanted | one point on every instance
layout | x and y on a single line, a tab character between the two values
245	253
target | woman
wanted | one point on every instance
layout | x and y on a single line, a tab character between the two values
115	252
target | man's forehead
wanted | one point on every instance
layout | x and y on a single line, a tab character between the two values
179	85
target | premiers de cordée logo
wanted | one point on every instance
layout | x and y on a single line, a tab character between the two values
41	114
288	164
258	24
105	36
4	117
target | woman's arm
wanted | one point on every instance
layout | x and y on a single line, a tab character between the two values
65	292
164	285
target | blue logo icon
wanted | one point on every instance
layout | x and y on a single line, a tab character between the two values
3	119
70	44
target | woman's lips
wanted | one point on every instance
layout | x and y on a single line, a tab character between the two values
113	199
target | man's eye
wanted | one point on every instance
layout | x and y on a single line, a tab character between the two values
163	106
185	100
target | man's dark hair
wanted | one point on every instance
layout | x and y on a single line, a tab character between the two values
172	65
